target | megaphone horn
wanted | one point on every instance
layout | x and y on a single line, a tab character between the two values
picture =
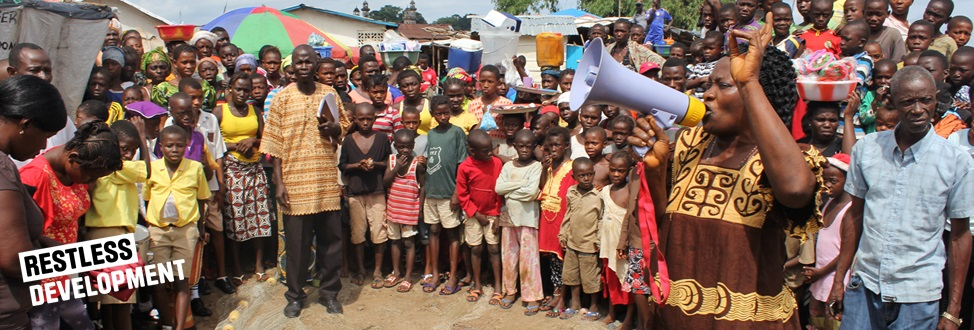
602	80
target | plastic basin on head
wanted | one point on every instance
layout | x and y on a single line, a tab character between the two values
390	56
663	50
323	51
176	32
826	91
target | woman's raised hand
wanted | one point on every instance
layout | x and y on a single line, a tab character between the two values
745	67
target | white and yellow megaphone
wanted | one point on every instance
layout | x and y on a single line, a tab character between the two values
602	80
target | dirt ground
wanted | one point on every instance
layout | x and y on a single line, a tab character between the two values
260	306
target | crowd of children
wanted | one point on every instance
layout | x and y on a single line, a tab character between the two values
539	205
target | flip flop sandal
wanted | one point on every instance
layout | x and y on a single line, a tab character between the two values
404	286
506	304
261	277
568	313
464	282
531	310
391	281
553	313
495	298
377	282
474	295
591	316
238	280
449	290
429	285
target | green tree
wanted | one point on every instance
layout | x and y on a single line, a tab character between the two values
459	23
685	12
393	14
387	13
521	7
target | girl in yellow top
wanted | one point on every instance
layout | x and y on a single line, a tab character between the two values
247	211
115	207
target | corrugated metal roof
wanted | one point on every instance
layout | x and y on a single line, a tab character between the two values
534	25
147	12
336	13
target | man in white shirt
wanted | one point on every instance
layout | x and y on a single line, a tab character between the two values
30	59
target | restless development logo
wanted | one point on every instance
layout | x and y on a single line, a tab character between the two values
103	266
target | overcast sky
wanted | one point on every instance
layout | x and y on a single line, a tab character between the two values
200	12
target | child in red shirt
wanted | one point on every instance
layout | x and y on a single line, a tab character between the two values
819	36
429	75
476	178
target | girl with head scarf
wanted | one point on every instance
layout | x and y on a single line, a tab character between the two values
246	63
156	66
205	42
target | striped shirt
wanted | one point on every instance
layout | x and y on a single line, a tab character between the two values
388	121
403	204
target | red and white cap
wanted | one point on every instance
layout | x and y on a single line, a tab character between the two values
840	161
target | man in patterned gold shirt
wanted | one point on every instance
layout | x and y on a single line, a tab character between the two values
300	139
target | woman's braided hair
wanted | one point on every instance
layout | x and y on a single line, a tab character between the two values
777	78
96	147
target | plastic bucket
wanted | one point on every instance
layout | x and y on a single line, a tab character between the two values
499	45
323	51
390	56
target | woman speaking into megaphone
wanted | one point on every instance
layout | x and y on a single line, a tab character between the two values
740	186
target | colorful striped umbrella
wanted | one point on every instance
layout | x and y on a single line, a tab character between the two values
251	28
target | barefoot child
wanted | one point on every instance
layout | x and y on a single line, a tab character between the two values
828	242
176	200
404	181
362	162
615	199
594	145
476	178
445	150
518	184
579	237
556	179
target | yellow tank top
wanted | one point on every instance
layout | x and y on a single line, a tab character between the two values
236	129
425	117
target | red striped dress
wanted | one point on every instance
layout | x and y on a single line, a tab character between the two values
403	204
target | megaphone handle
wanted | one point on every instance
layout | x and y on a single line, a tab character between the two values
641	151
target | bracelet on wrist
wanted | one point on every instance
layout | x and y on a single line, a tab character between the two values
951	318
